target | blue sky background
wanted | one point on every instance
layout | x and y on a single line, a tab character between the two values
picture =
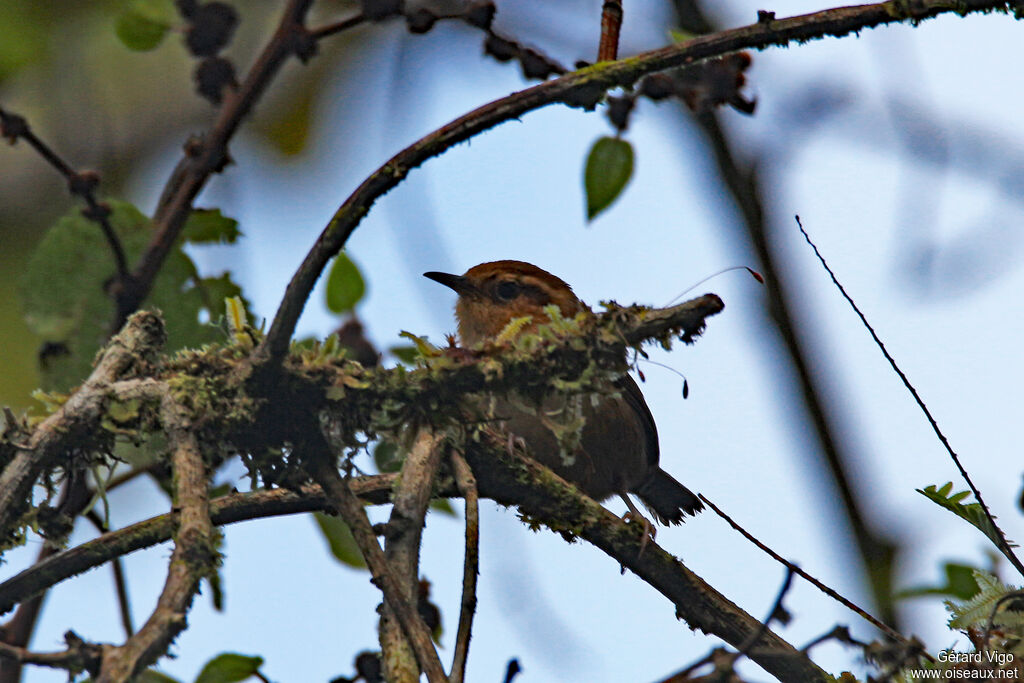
928	243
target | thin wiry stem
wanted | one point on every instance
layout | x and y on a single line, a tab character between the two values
81	184
1003	544
887	630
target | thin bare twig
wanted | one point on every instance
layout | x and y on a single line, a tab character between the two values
611	24
466	482
583	88
120	583
1003	544
337	27
82	184
881	626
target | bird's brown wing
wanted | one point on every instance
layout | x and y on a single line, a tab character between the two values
635	399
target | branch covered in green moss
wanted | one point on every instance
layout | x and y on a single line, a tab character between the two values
73	428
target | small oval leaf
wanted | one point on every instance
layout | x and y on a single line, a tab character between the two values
339	538
345	285
144	23
210	226
229	668
153	676
444	506
608	170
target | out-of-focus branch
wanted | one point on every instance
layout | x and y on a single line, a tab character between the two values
80	183
611	24
209	153
876	551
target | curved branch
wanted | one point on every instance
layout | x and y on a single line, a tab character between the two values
583	88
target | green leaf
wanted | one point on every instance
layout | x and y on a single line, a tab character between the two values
64	299
405	353
443	506
339	538
608	170
345	285
210	225
229	668
386	457
960	583
971	512
678	35
144	23
154	676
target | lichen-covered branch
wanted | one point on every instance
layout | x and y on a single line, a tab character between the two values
72	428
209	409
194	556
351	510
543	497
404	531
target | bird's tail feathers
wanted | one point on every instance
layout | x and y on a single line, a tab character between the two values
667	499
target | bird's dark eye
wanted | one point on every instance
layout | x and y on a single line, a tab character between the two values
507	290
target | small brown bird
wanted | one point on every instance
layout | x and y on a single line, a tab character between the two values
618	451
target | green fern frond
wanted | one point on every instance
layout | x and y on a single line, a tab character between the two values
975	613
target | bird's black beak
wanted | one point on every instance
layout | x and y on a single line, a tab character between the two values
460	283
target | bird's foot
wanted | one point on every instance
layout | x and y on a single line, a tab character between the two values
514	441
634	517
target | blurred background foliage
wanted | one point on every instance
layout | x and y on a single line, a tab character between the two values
56	57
